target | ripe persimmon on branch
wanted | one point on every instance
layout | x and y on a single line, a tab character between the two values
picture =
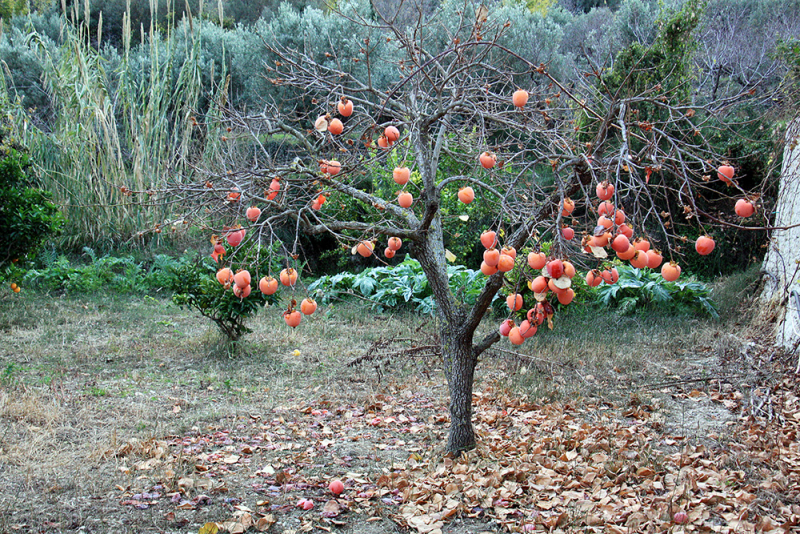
587	166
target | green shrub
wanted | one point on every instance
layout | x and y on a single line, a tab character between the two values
118	274
645	288
196	287
190	279
404	285
27	217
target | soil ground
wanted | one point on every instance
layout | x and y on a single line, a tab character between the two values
127	414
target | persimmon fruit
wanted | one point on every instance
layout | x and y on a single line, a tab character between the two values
654	258
335	127
670	271
308	306
487	269
505	263
491	257
505	327
235	237
225	276
345	107
365	248
489	238
405	199
514	302
466	195
392	134
488	160
604	190
744	208
520	98
336	487
268	285
639	259
292	318
242	278
515	336
253	213
704	245
555	268
725	173
288	276
567	207
537	260
401	175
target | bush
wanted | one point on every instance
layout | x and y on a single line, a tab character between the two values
190	279
197	288
404	285
27	217
118	274
643	288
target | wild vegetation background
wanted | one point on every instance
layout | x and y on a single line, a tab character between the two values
109	96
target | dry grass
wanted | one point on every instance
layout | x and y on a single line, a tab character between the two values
82	377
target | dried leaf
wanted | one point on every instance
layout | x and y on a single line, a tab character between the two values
209	528
331	509
264	523
565	282
599	252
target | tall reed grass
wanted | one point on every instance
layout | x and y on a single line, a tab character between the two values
121	120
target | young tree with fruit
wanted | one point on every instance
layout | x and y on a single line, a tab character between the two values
594	168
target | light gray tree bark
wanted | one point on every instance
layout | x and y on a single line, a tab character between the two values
782	263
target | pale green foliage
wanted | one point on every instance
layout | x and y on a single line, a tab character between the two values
601	34
117	274
541	7
22	67
9	8
738	39
642	288
404	285
97	120
321	34
636	22
535	37
117	120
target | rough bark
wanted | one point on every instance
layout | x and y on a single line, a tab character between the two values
459	363
781	266
458	354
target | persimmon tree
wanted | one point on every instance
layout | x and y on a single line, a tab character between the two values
584	165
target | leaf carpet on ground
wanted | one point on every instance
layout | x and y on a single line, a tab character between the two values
539	467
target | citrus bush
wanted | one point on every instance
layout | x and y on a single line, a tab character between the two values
27	216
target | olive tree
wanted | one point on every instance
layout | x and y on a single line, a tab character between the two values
637	142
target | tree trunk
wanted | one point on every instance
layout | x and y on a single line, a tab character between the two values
781	266
458	354
459	367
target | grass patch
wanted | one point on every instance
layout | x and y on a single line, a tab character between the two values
85	375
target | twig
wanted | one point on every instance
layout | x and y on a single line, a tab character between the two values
526	357
371	353
691	380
